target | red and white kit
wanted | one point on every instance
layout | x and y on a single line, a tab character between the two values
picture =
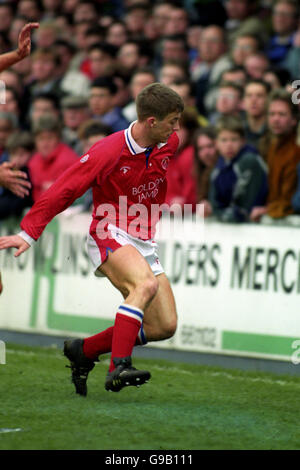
127	182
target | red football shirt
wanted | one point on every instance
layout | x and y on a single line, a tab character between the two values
114	167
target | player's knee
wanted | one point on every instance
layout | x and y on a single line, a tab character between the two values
169	328
148	288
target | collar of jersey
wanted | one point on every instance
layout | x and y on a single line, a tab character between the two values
133	146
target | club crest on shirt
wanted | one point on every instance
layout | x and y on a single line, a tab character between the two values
165	163
84	158
125	169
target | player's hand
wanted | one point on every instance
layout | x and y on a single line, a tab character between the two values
24	40
14	241
15	181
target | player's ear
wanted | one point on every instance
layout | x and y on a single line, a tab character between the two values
151	121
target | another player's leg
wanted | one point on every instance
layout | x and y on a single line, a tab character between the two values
80	364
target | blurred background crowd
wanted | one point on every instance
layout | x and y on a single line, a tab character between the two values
235	63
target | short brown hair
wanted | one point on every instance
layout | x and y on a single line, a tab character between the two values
281	94
231	124
158	100
18	140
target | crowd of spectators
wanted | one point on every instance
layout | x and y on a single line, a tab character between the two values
235	63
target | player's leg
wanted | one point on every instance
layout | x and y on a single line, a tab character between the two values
130	273
160	318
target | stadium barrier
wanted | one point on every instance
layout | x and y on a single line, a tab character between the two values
237	287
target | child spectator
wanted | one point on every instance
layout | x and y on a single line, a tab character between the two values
239	179
20	146
52	156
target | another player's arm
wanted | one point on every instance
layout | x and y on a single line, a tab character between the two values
23	50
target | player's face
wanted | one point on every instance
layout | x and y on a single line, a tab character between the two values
162	130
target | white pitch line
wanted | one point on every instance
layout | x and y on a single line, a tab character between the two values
6	430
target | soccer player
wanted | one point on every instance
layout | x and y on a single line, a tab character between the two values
127	171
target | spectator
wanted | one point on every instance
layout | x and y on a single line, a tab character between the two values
52	156
160	16
117	33
135	19
82	45
46	35
172	70
75	111
177	21
85	10
205	159
186	90
8	124
102	104
30	9
73	82
45	80
214	61
236	74
90	132
12	79
11	104
132	55
6	16
284	22
282	155
242	18
41	105
255	106
181	182
229	101
239	179
102	59
276	77
140	79
256	65
292	60
173	48
244	46
15	28
20	146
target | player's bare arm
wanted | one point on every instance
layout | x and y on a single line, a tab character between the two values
14	180
14	241
23	50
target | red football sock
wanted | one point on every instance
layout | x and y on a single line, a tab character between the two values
127	325
98	344
101	343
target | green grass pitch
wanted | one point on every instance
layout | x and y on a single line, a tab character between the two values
182	407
